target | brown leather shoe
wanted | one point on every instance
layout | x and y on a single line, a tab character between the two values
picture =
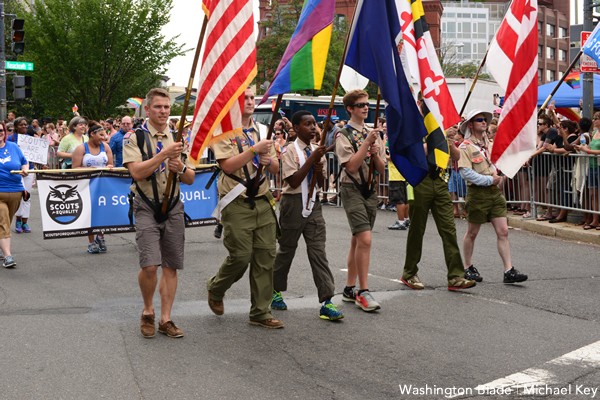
216	306
270	323
170	329
147	326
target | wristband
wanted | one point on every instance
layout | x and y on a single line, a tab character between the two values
183	170
252	148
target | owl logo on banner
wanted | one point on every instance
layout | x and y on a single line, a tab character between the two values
64	204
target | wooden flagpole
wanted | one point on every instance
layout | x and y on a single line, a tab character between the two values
372	162
462	109
188	92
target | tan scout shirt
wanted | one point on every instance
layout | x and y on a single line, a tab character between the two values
345	151
228	148
290	163
473	155
131	153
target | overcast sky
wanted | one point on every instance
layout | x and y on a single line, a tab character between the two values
186	21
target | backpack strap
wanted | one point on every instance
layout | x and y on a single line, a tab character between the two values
363	187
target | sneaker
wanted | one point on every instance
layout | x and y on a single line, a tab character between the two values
458	283
93	248
330	311
277	302
218	231
9	262
215	306
472	274
349	294
413	282
270	323
366	301
391	207
397	226
170	329
514	276
18	227
407	222
101	243
147	326
26	228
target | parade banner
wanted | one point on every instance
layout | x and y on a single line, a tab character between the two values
34	149
83	203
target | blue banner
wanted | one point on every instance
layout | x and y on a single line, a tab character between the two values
79	204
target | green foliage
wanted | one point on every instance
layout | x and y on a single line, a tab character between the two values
96	53
280	28
466	70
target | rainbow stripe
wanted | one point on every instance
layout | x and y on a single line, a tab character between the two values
135	102
573	80
303	64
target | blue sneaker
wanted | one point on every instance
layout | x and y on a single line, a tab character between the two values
26	228
18	227
330	312
99	240
277	302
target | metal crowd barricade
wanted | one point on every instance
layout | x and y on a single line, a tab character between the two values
53	162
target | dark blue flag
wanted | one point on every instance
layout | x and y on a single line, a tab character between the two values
372	52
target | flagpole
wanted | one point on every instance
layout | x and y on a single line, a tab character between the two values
327	125
182	120
256	179
473	83
372	161
562	79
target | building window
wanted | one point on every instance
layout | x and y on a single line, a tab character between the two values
550	30
562	55
540	75
550	53
562	32
550	75
540	50
540	27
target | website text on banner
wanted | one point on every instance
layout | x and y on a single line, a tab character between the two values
79	204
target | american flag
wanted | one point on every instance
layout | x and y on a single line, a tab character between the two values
228	67
516	39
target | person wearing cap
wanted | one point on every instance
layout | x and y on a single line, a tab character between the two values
485	202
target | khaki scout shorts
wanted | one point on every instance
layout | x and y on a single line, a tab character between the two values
159	243
360	212
9	204
484	203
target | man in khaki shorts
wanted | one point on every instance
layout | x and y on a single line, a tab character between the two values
485	202
159	237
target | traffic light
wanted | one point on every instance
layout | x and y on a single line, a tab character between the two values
21	87
18	36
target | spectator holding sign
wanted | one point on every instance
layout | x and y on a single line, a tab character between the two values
11	191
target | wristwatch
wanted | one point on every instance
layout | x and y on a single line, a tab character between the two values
182	170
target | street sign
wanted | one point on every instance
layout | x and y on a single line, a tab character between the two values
19	65
587	63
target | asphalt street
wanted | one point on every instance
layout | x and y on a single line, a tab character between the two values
70	324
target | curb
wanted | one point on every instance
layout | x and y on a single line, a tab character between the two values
560	230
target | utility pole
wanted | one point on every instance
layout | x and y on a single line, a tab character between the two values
3	102
588	77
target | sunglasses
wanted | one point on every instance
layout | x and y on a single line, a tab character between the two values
481	119
360	105
541	123
1	130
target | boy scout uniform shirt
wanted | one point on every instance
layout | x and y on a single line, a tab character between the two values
345	151
228	148
290	163
131	153
472	156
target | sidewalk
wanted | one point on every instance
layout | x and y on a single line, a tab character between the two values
560	230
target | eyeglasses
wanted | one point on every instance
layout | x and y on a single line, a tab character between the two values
480	119
360	105
1	130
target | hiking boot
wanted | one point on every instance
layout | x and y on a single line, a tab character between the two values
170	329
26	228
397	226
366	301
458	283
9	262
413	282
147	326
19	227
514	276
99	240
330	311
277	302
270	323
216	306
93	248
349	294
472	274
218	231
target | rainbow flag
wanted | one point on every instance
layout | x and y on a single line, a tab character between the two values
303	63
573	80
134	102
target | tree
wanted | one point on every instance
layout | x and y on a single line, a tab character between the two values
96	53
279	30
453	66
